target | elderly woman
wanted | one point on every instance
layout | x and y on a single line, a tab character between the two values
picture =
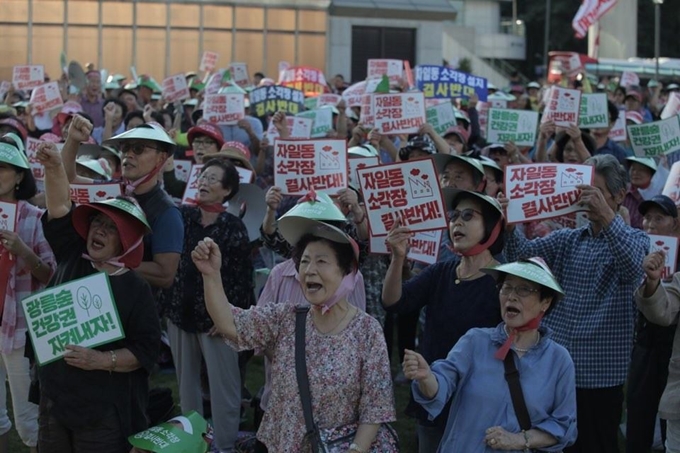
190	329
96	397
26	264
457	294
474	373
347	362
641	171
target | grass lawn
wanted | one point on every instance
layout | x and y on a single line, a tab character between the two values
254	380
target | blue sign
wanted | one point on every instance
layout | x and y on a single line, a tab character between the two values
440	82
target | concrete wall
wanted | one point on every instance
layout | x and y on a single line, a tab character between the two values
482	15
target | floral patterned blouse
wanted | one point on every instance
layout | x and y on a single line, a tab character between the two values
349	373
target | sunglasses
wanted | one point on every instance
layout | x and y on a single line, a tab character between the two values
465	214
136	148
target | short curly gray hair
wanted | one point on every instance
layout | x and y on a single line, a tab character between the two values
615	176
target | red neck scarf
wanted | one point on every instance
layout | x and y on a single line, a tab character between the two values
479	248
131	186
531	325
214	207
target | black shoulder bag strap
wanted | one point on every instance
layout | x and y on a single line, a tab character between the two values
512	376
302	377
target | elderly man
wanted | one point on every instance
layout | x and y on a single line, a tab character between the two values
599	266
92	100
653	343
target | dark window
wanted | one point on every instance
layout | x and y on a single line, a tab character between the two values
380	42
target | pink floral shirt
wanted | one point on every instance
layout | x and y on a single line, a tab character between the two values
349	373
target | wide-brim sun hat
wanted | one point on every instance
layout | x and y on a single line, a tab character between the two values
442	160
646	161
534	270
130	221
13	154
365	150
462	133
148	131
490	163
100	167
237	151
293	228
316	206
17	126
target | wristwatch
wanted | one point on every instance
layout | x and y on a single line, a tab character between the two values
358	449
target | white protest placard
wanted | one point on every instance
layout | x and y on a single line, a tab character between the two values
483	116
298	127
497	103
87	193
328	99
322	121
304	165
669	246
672	187
653	139
399	113
239	74
408	191
354	94
423	246
190	196
27	77
629	79
393	69
4	88
518	126
208	61
283	67
226	108
8	216
244	175
45	98
441	117
672	106
618	132
357	163
563	106
593	113
182	169
214	82
175	88
571	63
32	155
366	117
81	312
544	191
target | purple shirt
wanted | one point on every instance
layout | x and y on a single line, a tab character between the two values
94	110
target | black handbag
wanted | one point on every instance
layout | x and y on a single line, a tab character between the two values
337	439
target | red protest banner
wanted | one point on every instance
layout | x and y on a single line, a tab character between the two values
311	81
544	191
400	113
304	165
28	76
175	88
224	108
191	190
408	191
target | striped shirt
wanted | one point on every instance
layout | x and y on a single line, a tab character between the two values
599	274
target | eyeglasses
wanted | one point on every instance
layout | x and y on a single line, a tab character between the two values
465	214
136	147
521	291
210	179
101	221
202	143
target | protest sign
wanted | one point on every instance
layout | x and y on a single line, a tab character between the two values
497	103
298	127
304	165
672	106
518	126
563	106
483	116
8	216
45	98
81	312
447	83
208	61
544	191
239	74
328	99
366	116
283	65
399	113
27	77
629	79
407	191
181	434
356	163
653	139
669	246
244	175
87	193
593	112
322	121
175	88
422	247
570	63
4	88
408	73
441	117
618	132
224	108
393	69
32	155
308	80
672	187
354	94
182	169
190	196
271	99
215	82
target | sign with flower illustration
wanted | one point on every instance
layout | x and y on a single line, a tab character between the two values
304	165
669	246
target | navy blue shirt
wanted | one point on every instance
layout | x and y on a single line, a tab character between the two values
614	149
